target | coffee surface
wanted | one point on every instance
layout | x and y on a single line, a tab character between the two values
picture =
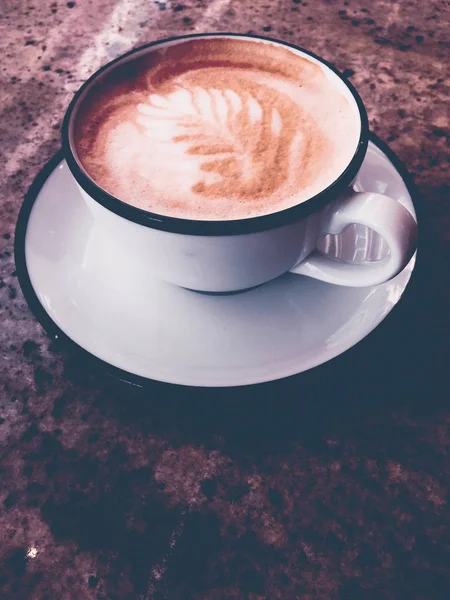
216	129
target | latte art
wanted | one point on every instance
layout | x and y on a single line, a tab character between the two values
227	143
216	139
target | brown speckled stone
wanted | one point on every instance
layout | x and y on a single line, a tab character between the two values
329	486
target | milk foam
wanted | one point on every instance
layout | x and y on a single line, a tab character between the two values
218	139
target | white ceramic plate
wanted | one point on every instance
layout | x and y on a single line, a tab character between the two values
141	328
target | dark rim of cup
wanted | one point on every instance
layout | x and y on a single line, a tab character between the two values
223	227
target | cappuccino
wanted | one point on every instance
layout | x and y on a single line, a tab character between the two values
216	129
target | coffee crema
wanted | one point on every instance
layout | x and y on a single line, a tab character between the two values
216	129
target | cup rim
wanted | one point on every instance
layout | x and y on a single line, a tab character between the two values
214	227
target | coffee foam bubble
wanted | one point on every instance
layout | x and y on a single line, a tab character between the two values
218	129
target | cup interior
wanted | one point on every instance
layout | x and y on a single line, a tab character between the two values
159	50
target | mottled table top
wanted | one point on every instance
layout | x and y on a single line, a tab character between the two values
332	485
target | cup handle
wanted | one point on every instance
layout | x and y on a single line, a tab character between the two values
382	214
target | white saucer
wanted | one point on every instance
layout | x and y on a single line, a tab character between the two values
142	328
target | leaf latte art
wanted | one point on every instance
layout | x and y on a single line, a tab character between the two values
217	142
230	143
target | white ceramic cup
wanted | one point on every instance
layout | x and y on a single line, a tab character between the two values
226	256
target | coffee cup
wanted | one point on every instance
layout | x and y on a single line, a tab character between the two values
220	160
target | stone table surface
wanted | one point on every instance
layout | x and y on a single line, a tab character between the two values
331	485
